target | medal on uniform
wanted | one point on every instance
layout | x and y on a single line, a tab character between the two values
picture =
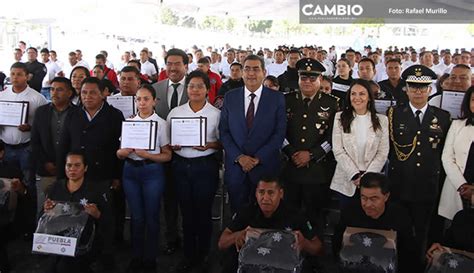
434	143
434	124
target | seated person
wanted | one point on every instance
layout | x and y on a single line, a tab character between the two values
9	228
460	235
373	211
270	212
77	189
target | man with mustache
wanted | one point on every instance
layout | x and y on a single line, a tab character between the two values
170	93
46	133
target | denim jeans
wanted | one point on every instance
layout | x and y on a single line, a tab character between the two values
22	156
143	187
196	181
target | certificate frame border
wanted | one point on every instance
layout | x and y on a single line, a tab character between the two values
24	114
200	127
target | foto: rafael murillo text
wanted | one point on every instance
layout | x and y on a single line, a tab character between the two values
418	11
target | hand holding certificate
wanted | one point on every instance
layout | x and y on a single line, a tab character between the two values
139	134
451	101
13	113
126	104
188	132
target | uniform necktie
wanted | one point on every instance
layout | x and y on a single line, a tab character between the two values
250	111
306	102
417	116
174	97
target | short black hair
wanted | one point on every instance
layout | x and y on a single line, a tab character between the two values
20	65
272	79
134	62
204	60
64	80
271	179
78	153
33	48
44	50
100	56
94	80
350	50
368	60
99	66
375	180
236	64
109	85
199	74
150	89
53	51
133	69
255	58
395	60
177	52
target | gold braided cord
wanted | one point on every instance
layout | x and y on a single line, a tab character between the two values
400	155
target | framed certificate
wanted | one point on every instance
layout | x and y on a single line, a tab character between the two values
13	113
126	104
381	106
188	131
139	134
451	101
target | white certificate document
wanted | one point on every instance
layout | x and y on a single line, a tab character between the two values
340	87
139	134
188	131
451	101
126	104
52	244
13	113
381	106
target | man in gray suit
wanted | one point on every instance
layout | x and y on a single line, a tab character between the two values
171	93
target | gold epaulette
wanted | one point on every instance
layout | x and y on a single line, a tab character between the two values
400	155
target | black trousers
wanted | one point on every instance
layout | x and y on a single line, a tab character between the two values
4	235
170	206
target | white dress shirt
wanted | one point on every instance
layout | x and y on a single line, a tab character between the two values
148	68
212	131
162	136
247	98
423	110
169	94
10	134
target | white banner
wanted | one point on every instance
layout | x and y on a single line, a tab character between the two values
51	244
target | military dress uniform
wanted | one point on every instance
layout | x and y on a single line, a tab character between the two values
415	155
309	126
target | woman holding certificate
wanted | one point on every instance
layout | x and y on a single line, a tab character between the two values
194	132
458	161
144	180
360	141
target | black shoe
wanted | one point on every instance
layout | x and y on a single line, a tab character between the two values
149	266
184	266
135	266
171	247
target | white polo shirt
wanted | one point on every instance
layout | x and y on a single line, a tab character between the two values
10	134
148	68
213	116
52	70
162	138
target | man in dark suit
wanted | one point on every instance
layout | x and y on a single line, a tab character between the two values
252	129
95	129
417	134
171	93
46	132
310	115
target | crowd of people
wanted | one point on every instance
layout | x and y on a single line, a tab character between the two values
293	127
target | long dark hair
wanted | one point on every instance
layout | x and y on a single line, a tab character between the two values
466	104
347	115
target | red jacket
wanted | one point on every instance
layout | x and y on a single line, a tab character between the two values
216	84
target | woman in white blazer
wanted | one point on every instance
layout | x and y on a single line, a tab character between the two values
458	160
360	140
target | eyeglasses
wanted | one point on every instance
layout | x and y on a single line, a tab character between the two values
308	78
418	88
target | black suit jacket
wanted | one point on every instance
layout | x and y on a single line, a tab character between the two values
43	149
416	179
98	139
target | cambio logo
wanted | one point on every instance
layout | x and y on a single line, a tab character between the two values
334	10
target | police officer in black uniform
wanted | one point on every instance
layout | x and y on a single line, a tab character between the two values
270	212
417	134
310	115
36	70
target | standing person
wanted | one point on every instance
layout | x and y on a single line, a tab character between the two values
53	70
235	80
394	87
143	183
78	74
310	114
458	161
252	128
417	133
109	72
48	127
289	79
17	139
95	130
342	81
36	70
360	141
196	175
170	94
215	79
